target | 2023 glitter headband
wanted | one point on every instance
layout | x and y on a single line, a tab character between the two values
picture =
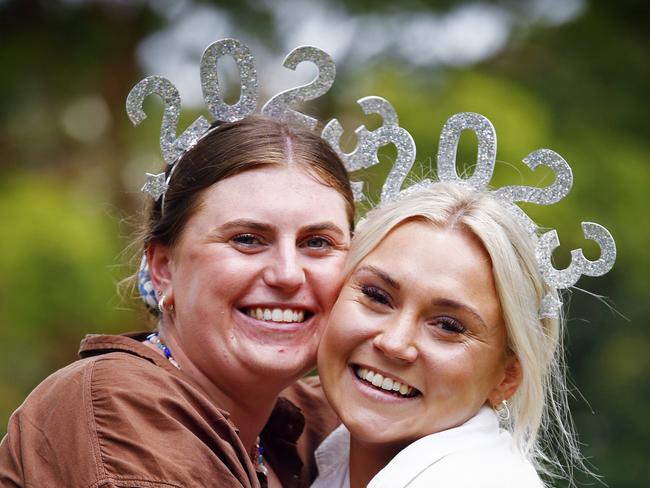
365	156
280	106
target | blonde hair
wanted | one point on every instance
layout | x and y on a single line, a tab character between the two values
540	421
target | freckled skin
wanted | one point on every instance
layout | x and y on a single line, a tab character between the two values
410	332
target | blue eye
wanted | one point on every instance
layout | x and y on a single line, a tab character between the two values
317	242
247	240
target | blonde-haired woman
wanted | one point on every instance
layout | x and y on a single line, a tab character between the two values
435	356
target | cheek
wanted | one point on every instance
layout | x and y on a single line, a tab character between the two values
347	328
327	279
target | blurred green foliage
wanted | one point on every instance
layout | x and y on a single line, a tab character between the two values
579	88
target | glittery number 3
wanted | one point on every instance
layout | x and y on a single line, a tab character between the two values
365	154
579	264
279	106
170	146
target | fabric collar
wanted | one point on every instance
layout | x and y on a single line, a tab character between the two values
332	459
286	422
428	450
332	456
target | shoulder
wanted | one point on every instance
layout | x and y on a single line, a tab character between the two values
119	416
485	467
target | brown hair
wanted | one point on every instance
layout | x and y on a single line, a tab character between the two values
232	148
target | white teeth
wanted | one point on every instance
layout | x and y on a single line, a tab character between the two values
276	314
385	383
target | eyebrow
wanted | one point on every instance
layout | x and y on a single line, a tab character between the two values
382	275
262	227
324	226
448	303
249	224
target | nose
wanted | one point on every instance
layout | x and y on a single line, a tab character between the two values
285	271
397	339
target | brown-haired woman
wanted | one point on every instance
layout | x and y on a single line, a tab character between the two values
245	252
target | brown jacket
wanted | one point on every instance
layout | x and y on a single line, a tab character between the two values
125	417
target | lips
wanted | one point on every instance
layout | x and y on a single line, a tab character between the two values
385	383
277	314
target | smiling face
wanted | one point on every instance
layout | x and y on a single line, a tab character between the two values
415	343
254	276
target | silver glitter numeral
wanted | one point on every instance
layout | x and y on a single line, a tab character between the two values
365	154
333	131
212	94
548	195
448	148
279	107
579	264
403	163
171	147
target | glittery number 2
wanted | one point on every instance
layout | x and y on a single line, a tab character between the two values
549	195
170	146
212	94
279	106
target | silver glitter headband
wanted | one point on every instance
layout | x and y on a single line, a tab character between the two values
279	107
365	156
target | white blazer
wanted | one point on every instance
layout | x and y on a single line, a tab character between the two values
476	454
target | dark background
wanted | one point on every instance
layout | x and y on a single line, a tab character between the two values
571	75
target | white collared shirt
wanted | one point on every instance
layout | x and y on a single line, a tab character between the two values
476	454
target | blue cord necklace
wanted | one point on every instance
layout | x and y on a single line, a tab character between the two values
155	340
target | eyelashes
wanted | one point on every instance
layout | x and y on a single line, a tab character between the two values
375	294
314	243
449	324
380	299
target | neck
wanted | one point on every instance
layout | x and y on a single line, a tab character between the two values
366	460
249	413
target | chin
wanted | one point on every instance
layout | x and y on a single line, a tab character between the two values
284	362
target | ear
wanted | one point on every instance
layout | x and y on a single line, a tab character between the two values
510	380
160	261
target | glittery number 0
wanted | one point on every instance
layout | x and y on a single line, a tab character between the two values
279	106
212	94
579	264
170	146
487	149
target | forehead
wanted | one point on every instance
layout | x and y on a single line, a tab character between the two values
448	263
272	191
